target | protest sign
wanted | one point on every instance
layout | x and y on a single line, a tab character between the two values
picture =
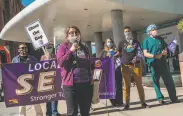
37	35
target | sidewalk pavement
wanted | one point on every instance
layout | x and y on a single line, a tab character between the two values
102	110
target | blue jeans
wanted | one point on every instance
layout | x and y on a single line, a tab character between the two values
51	107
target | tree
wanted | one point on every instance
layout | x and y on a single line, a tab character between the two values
180	25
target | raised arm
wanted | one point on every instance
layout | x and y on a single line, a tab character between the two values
64	55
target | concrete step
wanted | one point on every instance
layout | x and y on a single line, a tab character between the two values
147	80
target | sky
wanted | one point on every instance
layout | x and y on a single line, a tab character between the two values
27	2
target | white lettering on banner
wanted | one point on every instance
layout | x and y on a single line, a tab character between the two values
46	65
27	87
53	65
38	66
107	93
45	97
45	82
30	68
61	94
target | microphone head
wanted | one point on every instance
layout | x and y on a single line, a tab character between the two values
75	41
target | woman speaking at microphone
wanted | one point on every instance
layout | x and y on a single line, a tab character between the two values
74	59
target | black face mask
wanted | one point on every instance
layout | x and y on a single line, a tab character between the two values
24	57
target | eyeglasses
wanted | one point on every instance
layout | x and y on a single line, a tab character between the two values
22	48
73	32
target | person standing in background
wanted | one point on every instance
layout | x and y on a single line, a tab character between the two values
51	107
23	57
131	58
155	51
111	51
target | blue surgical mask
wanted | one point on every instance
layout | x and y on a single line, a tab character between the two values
109	44
50	50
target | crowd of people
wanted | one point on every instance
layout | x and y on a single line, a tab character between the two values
73	57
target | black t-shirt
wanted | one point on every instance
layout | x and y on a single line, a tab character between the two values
23	59
128	51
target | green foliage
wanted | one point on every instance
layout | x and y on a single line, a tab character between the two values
180	25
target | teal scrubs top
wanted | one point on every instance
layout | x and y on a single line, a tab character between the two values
153	46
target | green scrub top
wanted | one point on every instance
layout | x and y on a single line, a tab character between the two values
154	46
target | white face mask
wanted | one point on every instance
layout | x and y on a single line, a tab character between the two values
128	36
154	33
73	39
109	44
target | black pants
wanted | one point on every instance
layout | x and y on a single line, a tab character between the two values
159	68
78	95
118	83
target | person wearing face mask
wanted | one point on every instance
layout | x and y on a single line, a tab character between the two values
51	107
74	59
155	51
131	59
111	51
23	57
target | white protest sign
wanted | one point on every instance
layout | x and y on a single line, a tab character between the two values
37	35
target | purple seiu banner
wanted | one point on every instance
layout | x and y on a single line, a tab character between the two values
172	45
24	82
107	88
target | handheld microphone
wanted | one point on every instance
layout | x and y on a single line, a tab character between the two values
77	44
76	52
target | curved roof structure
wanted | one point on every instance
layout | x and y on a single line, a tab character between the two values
89	15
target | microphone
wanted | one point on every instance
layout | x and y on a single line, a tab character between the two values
76	44
75	41
76	52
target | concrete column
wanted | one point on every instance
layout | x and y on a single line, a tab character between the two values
135	35
88	43
98	43
117	25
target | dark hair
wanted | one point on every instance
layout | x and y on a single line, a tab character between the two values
127	27
74	27
105	44
21	44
